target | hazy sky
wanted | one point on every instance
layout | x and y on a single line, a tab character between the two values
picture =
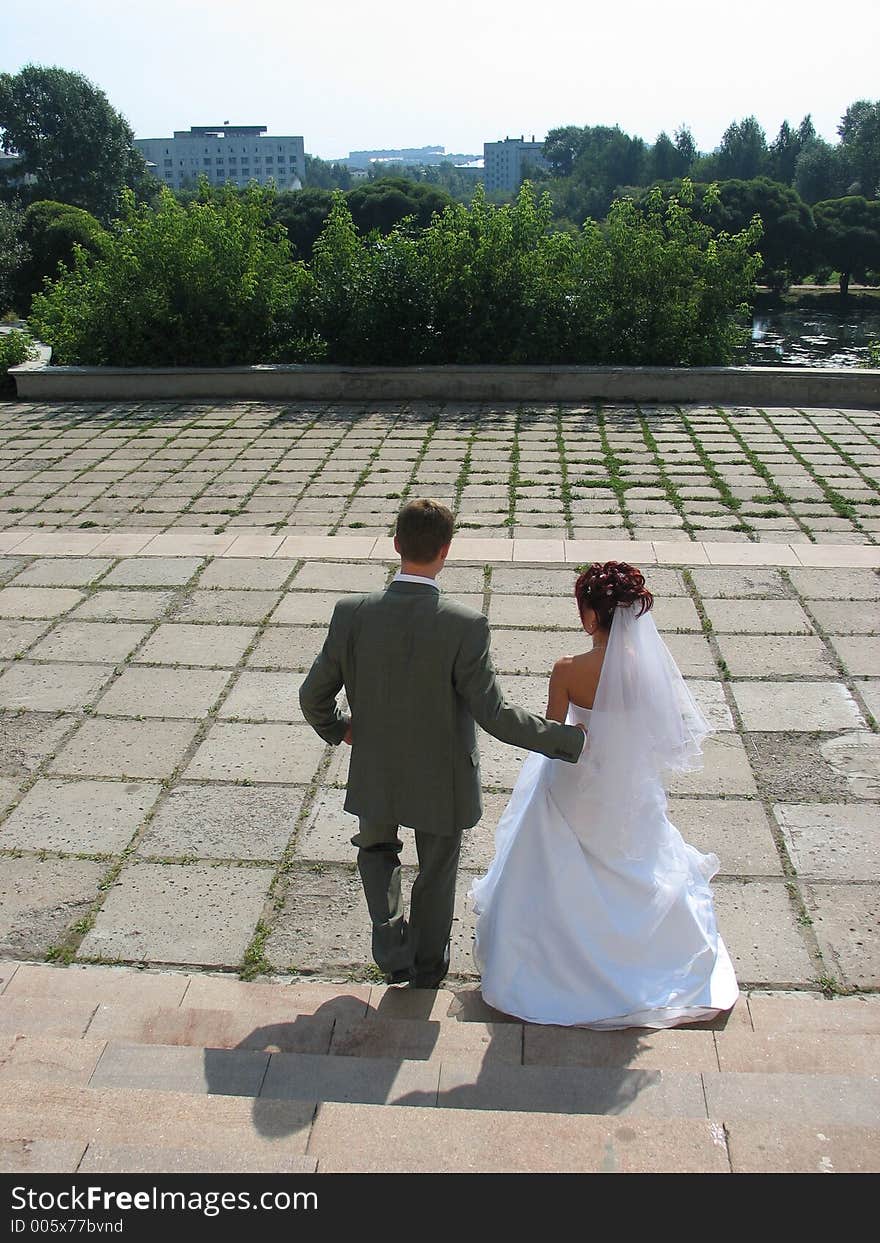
347	74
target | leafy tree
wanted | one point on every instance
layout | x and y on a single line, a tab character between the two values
69	138
13	252
848	236
15	348
303	214
789	230
327	175
51	231
686	147
786	147
383	204
666	160
561	148
743	150
821	172
209	284
859	132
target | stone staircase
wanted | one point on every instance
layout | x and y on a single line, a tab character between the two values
115	1069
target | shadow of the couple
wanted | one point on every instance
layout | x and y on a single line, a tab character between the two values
401	1048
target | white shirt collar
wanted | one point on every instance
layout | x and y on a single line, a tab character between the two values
415	578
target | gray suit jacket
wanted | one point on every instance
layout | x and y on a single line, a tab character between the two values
418	675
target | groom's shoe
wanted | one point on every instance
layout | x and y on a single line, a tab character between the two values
432	979
401	976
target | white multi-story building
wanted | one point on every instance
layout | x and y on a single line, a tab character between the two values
503	161
235	153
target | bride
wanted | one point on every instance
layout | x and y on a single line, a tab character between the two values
594	911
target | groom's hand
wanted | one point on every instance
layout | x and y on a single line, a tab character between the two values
346	738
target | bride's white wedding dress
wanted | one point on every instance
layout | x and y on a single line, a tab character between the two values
595	912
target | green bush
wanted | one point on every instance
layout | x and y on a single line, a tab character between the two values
494	284
16	347
209	283
50	231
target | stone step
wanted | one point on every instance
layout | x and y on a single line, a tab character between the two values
50	1129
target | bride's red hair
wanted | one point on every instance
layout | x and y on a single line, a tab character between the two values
607	586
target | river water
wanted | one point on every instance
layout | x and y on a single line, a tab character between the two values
803	336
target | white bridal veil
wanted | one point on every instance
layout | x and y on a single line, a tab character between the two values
644	725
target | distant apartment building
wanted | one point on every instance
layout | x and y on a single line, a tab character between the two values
235	153
504	161
429	156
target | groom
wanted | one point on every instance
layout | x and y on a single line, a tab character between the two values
418	676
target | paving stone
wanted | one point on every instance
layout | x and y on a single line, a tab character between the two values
835	618
153	572
739	617
725	771
287	647
26	741
635	1049
429	1040
110	605
41	1156
789	1052
101	1158
749	581
813	1012
365	1080
305	608
349	1138
201	1028
48	1059
246	573
223	822
736	830
261	752
860	654
162	692
185	644
22	1017
791	655
780	706
832	841
9	792
758	924
532	651
869	689
220	605
543	582
95	984
798	1148
16	636
85	817
843	1100
855	757
37	601
831	584
692	654
328	576
571	1090
846	921
264	697
542	611
323	923
108	642
63	572
48	687
179	913
263	1002
230	1072
112	748
41	899
712	703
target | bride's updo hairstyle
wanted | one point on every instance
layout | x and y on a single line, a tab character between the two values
610	586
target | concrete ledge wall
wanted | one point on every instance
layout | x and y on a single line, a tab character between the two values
748	386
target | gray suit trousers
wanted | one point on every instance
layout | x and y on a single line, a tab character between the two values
419	945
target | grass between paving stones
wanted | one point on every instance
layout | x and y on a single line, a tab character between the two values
666	483
564	482
776	495
731	502
404	495
707	627
514	478
842	507
614	468
870	480
463	475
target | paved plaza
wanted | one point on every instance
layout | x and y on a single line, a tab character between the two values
642	473
165	803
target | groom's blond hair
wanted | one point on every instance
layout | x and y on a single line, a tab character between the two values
423	528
